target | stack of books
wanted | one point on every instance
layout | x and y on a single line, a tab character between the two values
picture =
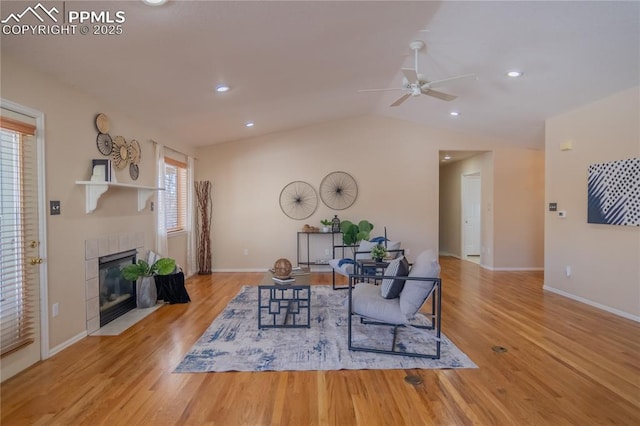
283	280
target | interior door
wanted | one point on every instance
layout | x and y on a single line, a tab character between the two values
471	192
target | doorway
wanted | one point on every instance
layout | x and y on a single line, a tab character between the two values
471	191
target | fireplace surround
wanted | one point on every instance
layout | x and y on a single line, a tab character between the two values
95	248
117	295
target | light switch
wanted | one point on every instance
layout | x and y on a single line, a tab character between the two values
54	208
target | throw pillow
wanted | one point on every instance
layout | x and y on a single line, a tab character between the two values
391	246
391	287
364	249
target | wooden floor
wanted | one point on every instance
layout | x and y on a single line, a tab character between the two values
566	363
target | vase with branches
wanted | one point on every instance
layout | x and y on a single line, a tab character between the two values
203	222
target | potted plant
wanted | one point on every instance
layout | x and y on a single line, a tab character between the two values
325	225
352	234
378	253
143	273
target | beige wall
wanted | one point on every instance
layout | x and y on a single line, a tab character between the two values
604	259
394	162
70	136
518	207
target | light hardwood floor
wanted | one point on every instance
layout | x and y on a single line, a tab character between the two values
566	363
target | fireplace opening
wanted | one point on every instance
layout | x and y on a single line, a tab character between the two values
117	295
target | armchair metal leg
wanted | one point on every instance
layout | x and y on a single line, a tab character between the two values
333	276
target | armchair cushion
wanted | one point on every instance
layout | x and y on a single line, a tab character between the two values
367	302
391	288
416	292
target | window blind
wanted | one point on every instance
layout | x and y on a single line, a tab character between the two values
175	194
18	225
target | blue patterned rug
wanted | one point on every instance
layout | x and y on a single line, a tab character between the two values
233	341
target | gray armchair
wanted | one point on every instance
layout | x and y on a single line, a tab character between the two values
395	303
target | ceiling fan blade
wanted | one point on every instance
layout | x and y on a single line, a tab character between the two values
410	74
380	90
439	95
446	81
401	99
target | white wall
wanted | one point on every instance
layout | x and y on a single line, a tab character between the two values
604	259
394	162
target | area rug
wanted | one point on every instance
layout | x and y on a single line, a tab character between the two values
233	341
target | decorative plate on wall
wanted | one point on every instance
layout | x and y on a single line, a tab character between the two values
104	143
134	152
134	172
120	154
102	123
298	200
338	190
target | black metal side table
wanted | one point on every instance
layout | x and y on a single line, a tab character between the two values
284	306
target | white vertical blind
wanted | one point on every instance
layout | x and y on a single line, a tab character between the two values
176	194
18	225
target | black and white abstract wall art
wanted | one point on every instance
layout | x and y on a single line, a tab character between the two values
614	193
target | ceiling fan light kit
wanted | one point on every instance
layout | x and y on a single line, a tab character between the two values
416	84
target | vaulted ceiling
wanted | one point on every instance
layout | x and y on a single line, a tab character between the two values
290	64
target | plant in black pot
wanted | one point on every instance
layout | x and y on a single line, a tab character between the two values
143	273
378	253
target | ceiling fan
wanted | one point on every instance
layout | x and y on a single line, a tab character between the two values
415	84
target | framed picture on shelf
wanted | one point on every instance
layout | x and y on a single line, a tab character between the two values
101	170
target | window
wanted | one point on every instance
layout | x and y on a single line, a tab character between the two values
175	183
18	225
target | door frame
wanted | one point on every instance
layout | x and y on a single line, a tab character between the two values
463	193
42	219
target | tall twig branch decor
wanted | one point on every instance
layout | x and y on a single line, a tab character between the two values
203	221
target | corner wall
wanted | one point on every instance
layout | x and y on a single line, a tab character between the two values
604	259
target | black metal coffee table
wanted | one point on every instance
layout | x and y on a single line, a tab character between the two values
284	305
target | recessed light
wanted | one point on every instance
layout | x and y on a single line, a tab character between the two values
221	88
454	113
447	157
154	2
514	74
250	124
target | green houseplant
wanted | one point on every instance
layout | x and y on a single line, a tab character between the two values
378	253
143	274
326	225
352	234
162	266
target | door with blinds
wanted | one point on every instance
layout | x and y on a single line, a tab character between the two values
20	246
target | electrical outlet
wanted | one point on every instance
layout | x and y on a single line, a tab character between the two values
567	271
55	309
246	252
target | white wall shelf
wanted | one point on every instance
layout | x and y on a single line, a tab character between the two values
94	190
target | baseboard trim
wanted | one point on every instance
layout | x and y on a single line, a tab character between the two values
444	253
516	269
65	345
592	303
